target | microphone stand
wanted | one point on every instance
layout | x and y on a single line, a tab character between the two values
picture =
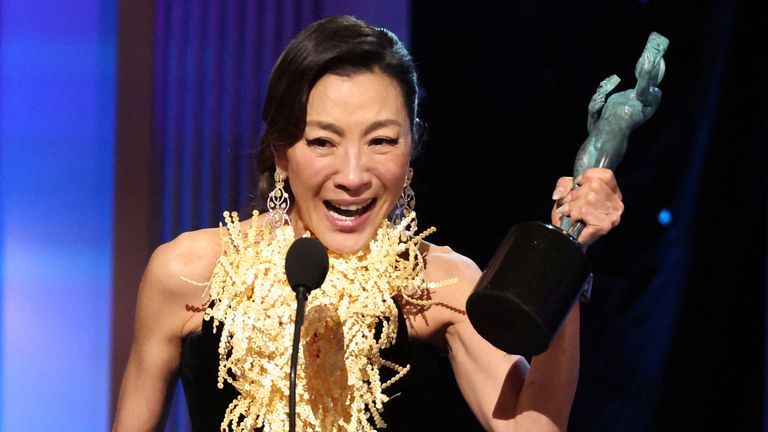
301	298
306	265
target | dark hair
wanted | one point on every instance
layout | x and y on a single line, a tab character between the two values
338	45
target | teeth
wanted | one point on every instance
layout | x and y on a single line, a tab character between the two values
346	212
353	207
341	217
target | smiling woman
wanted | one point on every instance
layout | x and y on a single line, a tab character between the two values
341	129
348	171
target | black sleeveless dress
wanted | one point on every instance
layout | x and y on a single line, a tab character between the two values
427	396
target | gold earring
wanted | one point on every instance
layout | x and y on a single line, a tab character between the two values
278	203
404	208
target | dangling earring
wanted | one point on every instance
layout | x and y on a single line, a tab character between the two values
404	208
278	203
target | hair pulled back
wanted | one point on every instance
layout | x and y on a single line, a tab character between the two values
340	45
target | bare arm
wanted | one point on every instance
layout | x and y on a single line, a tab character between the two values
504	393
161	322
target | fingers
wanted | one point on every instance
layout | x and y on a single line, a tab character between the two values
596	201
563	186
601	220
604	176
562	191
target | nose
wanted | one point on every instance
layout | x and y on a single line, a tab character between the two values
353	175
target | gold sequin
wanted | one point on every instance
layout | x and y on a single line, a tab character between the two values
338	382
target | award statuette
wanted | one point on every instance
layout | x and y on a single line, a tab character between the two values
539	271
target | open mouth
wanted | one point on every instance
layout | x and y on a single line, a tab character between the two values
349	211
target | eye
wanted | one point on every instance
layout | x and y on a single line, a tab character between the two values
319	142
384	141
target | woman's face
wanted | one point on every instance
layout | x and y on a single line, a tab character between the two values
348	171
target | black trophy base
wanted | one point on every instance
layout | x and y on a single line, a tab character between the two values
528	288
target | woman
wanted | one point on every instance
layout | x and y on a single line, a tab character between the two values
340	130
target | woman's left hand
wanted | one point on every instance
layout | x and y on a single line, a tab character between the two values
596	202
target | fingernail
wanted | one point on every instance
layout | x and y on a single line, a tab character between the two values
558	193
562	209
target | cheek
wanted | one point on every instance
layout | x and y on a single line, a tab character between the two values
306	186
305	173
394	179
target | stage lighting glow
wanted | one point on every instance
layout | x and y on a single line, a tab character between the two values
57	103
665	217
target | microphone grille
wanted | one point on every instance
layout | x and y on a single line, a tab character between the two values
306	263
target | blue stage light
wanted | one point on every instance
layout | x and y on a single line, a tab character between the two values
57	105
665	217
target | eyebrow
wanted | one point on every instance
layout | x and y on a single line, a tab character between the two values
331	127
326	126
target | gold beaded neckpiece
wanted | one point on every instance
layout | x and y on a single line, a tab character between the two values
349	320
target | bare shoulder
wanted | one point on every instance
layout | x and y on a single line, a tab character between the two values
175	280
445	263
192	256
460	274
162	320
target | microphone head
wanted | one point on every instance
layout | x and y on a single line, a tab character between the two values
306	263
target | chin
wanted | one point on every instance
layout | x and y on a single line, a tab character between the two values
347	243
347	246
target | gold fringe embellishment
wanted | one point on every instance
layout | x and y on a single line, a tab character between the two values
338	382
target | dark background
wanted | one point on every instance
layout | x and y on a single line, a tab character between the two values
674	337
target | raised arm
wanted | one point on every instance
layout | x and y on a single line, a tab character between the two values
649	72
503	391
162	320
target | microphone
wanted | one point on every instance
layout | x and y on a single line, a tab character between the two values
306	265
